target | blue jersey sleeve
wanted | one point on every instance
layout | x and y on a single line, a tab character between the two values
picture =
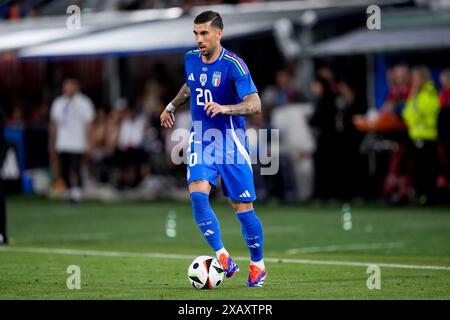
241	77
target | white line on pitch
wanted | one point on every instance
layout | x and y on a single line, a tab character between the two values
99	253
346	247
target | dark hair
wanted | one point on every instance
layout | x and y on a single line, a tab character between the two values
206	16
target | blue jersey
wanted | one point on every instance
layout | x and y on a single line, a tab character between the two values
225	81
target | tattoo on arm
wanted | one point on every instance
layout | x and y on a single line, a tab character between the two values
250	105
182	97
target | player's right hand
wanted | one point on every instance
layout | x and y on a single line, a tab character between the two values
167	119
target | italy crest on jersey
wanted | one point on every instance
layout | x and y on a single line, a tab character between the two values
216	78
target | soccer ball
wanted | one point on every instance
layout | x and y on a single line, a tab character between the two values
205	272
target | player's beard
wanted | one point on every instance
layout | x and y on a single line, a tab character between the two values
209	53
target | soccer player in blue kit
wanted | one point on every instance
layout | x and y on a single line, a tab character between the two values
221	92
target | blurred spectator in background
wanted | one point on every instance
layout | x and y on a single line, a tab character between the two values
325	73
280	102
282	92
400	87
14	11
421	115
3	236
444	130
397	184
296	147
114	122
351	163
101	154
155	92
112	131
17	117
40	112
132	159
324	121
70	134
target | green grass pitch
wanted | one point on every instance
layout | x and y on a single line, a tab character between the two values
123	252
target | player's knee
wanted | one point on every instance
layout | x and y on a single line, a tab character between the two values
200	186
242	206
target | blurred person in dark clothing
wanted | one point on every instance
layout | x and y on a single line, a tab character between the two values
352	165
101	154
3	237
17	116
324	120
282	92
327	75
444	130
421	116
132	158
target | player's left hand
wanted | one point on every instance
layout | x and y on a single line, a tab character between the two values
214	109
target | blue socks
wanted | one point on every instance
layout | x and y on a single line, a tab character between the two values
206	219
253	233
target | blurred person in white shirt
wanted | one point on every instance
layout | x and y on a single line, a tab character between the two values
71	118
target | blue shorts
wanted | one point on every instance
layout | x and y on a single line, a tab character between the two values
237	178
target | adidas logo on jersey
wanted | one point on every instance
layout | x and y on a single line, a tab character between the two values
246	194
208	233
191	77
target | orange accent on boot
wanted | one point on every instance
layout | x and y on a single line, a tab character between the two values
223	259
255	272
